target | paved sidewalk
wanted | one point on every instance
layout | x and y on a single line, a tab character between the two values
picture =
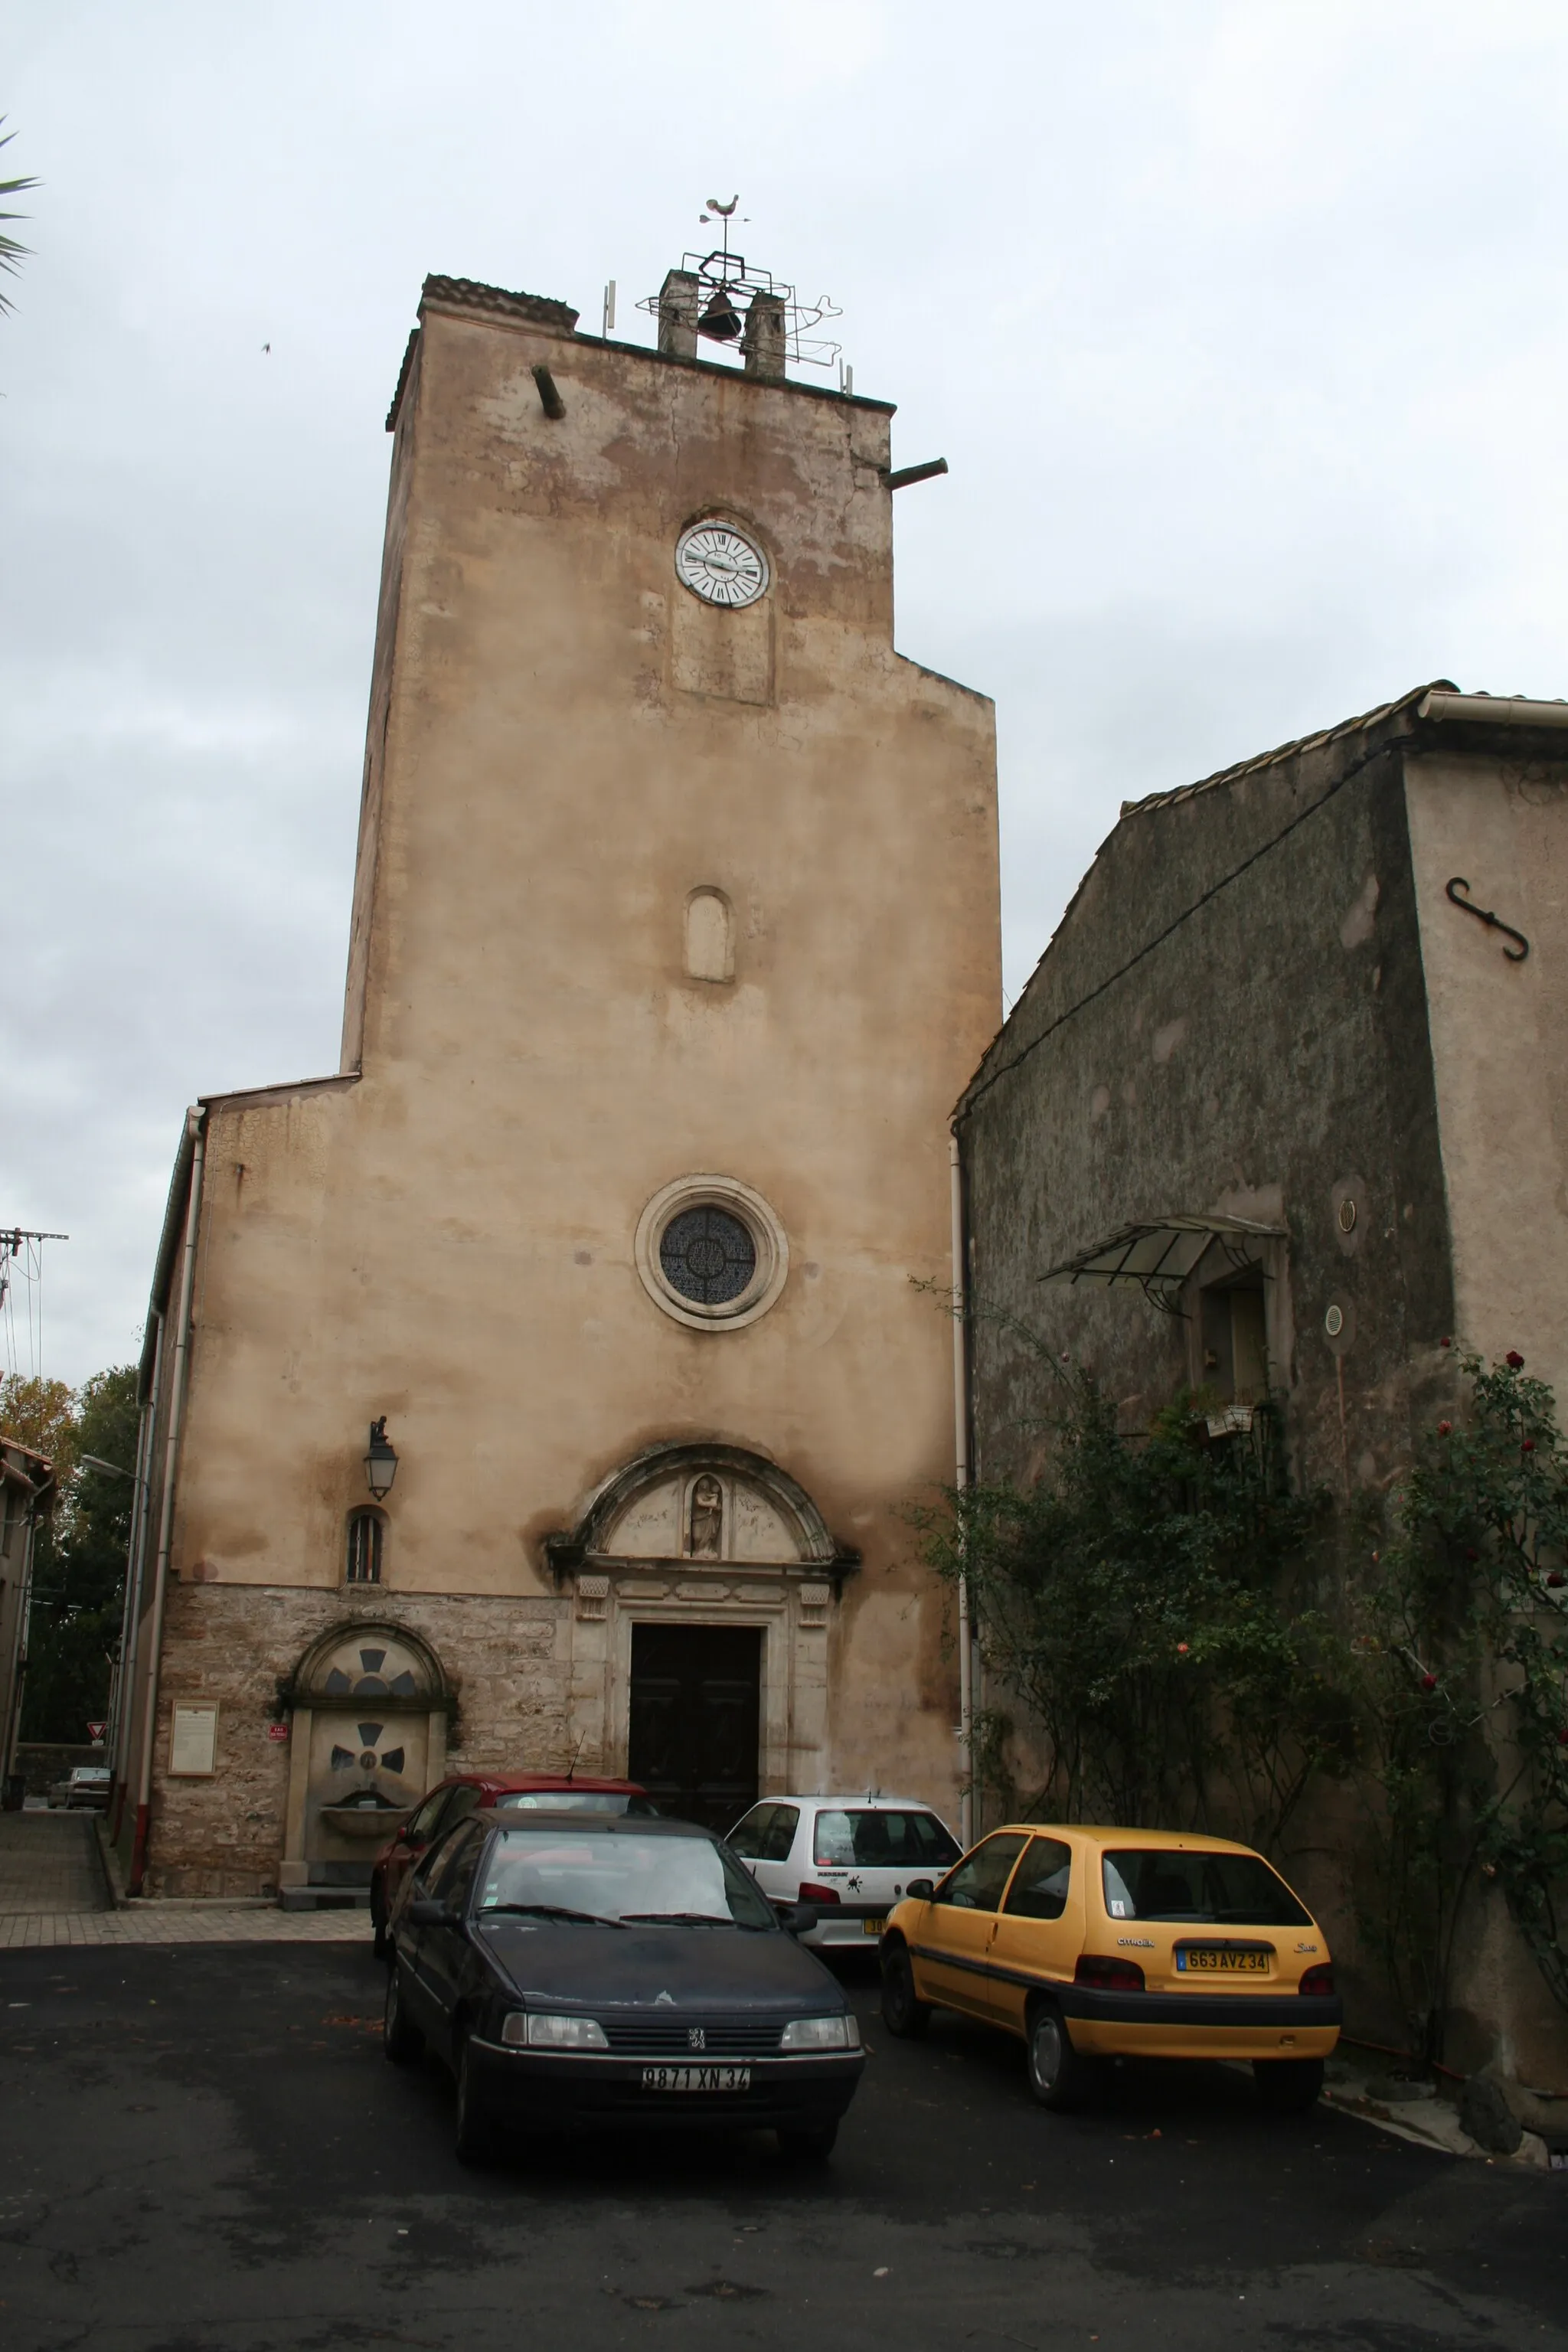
182	1922
52	1892
49	1863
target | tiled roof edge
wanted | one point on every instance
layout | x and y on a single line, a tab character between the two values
1288	750
467	293
403	373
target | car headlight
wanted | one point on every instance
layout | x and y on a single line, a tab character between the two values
529	2029
821	2034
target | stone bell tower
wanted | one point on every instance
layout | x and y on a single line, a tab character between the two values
674	938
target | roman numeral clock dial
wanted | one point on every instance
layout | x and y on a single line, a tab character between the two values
721	564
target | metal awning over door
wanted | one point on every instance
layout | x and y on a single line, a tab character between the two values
1159	1253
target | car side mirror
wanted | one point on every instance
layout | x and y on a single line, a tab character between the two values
921	1890
425	1911
799	1920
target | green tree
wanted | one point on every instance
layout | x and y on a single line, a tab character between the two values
1138	1601
41	1414
78	1562
1464	1644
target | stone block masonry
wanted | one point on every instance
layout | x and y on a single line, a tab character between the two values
234	1644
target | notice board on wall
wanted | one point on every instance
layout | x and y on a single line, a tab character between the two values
192	1741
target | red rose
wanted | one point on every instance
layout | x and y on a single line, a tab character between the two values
1528	1446
1562	1740
1445	1343
1181	1649
1557	1578
1445	1428
1514	1361
1429	1682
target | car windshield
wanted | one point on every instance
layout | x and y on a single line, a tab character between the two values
1214	1890
572	1801
876	1838
91	1772
688	1882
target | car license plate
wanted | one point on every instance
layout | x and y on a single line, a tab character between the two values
697	2078
873	1927
1201	1959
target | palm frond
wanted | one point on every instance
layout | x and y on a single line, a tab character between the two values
13	252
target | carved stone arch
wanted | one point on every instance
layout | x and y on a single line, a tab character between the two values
703	1535
658	1506
369	1658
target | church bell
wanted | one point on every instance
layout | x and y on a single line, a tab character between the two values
720	321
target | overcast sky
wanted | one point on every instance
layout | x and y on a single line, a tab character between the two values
1240	322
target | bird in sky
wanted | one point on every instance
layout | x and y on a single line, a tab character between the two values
267	347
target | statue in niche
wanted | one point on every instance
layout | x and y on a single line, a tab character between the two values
706	1526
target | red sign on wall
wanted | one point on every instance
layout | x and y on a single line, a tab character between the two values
277	1731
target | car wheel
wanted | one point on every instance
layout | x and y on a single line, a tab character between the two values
476	2132
808	2144
400	2037
1287	2086
903	2011
1059	2077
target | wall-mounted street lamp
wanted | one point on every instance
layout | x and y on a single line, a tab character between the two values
381	1461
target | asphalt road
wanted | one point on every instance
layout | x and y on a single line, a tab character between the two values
202	2149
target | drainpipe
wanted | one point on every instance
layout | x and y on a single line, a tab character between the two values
178	1386
130	1614
960	1480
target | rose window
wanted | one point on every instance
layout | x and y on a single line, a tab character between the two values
708	1254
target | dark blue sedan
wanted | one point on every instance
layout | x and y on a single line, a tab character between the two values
581	1972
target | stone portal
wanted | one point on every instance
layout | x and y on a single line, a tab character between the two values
703	1580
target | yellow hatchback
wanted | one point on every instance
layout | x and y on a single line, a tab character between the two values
1097	1943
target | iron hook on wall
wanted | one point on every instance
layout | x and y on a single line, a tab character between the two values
1492	922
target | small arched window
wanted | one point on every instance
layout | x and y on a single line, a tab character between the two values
366	1536
710	938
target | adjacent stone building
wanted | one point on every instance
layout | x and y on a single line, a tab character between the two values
27	1496
675	932
1272	1073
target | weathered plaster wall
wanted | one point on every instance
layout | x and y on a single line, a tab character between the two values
573	747
1251	1052
1499	818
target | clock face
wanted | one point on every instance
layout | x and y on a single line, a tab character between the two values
721	564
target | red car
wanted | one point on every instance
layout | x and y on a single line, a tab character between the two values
465	1792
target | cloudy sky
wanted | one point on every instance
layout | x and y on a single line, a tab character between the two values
1240	322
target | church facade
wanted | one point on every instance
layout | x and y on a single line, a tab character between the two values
549	1386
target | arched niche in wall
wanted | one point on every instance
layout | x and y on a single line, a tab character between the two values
367	1736
709	935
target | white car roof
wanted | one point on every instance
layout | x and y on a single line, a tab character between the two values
856	1797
